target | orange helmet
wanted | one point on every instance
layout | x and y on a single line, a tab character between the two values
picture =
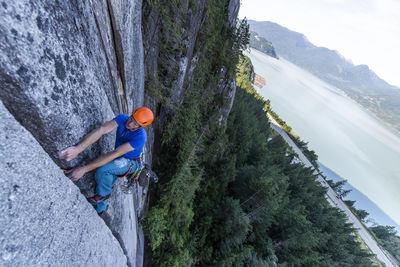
144	116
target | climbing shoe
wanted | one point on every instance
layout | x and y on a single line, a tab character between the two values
96	199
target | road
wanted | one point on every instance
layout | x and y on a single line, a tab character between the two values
335	201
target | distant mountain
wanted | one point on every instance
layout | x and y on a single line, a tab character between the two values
262	44
359	82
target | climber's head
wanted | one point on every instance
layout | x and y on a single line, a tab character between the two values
141	117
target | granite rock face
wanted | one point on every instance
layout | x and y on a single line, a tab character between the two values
234	6
226	86
44	218
53	72
123	222
227	91
65	68
126	20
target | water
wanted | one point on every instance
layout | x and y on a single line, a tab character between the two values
346	138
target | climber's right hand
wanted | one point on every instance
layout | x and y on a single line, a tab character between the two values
76	173
68	154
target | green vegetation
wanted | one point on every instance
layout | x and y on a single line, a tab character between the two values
189	118
384	235
359	213
387	238
244	76
228	193
252	206
338	188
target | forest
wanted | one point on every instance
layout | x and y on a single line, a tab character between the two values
237	199
230	192
386	236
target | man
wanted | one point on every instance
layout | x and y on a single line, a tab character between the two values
123	160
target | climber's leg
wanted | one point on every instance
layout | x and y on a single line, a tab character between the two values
105	177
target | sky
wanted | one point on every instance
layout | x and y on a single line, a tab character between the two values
363	31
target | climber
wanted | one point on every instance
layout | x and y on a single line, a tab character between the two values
123	160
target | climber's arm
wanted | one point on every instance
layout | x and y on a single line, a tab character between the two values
71	152
106	158
76	173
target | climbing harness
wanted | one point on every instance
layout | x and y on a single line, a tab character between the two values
141	175
130	168
127	186
130	180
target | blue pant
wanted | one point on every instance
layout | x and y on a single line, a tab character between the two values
105	177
